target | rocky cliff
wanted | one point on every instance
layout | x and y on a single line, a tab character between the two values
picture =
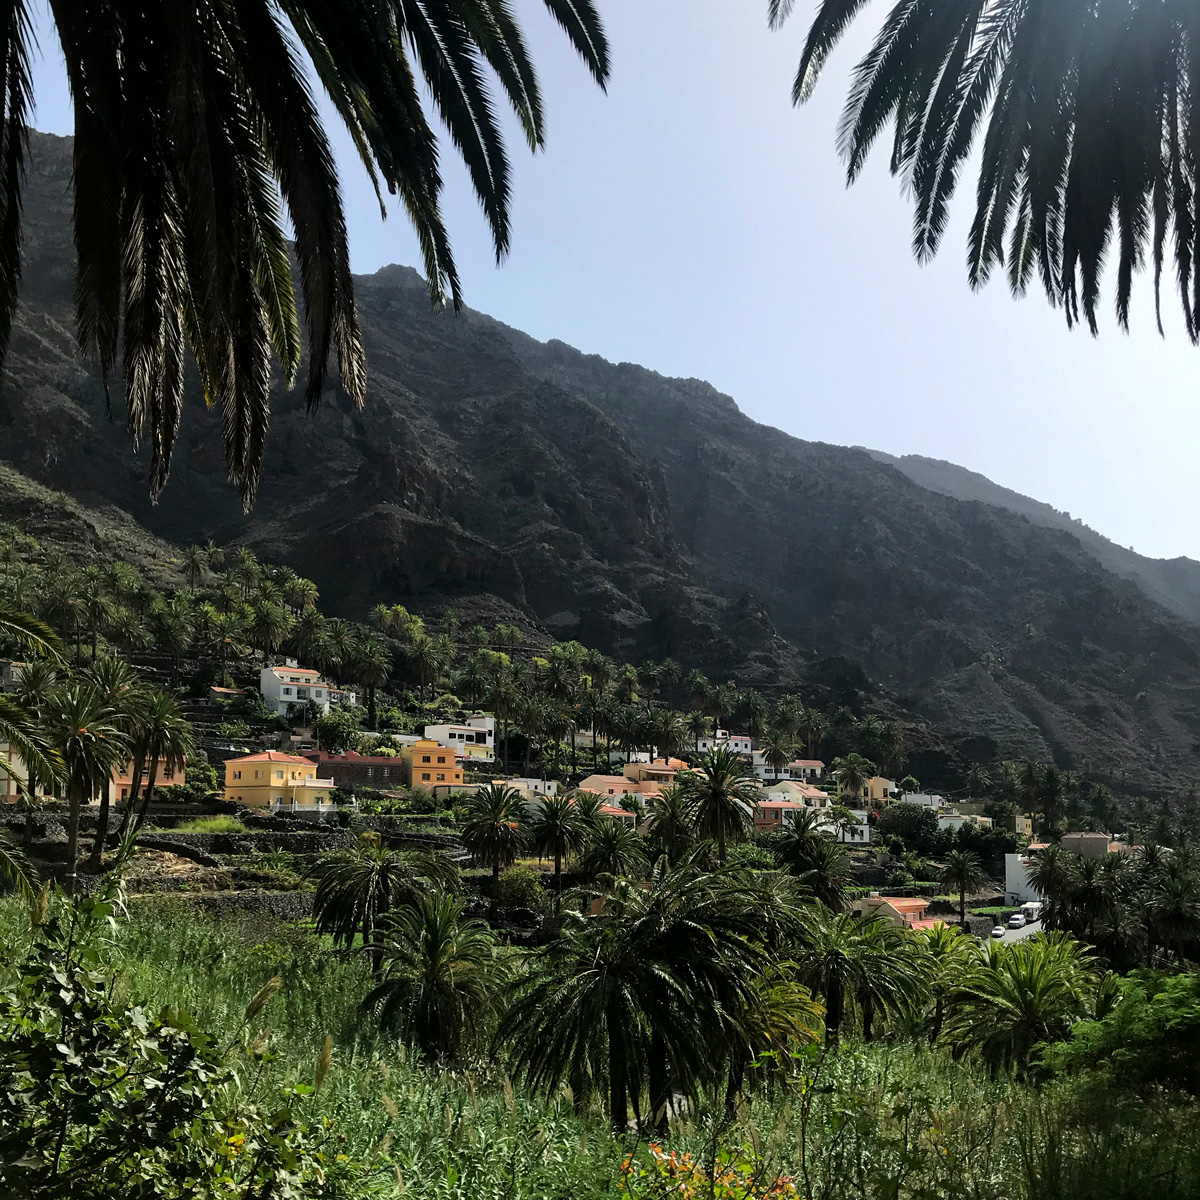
643	514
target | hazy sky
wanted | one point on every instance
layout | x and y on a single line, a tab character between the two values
694	222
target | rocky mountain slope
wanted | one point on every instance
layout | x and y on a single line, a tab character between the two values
642	514
1173	582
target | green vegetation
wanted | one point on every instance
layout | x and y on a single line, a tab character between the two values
217	824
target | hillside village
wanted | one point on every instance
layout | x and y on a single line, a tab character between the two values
325	739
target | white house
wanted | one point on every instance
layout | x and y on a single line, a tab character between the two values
739	743
858	834
923	800
475	738
949	819
288	685
804	768
1017	888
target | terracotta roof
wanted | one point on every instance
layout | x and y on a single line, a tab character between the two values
616	811
906	903
806	762
927	923
781	804
1038	846
295	671
276	756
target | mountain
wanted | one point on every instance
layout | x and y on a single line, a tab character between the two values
1173	582
641	514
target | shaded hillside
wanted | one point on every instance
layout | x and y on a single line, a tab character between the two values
642	514
1173	582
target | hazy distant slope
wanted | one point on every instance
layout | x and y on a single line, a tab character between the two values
1173	582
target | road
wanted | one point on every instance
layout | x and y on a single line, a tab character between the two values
1016	935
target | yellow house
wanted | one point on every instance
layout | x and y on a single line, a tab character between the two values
879	790
260	780
429	764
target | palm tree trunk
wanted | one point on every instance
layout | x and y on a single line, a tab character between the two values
145	806
962	907
834	1002
135	790
96	858
733	1085
660	1084
721	847
75	803
558	872
618	1108
371	706
867	1003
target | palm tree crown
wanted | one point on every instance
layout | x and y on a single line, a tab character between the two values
721	795
199	149
1087	122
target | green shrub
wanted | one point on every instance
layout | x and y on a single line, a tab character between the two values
99	1098
520	887
217	824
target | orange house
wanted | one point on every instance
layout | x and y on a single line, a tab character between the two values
164	776
429	764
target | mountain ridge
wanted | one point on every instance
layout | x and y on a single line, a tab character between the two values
639	513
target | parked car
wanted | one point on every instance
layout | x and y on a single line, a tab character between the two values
1017	921
998	931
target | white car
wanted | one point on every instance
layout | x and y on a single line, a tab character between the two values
1017	921
998	932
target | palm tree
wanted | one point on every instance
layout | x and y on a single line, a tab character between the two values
813	726
651	996
819	864
195	565
372	667
157	170
962	873
853	773
358	887
1033	84
491	832
846	958
669	824
21	727
557	830
614	851
531	724
87	732
1018	995
698	726
699	690
946	952
438	976
25	725
300	594
160	737
116	682
777	751
721	798
270	623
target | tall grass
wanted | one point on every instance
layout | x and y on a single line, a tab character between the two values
880	1121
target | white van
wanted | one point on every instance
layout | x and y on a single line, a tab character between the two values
1032	912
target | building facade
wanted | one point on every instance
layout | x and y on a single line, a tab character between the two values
474	739
274	779
431	765
287	687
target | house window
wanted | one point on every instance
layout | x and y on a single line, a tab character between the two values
370	772
287	691
279	774
387	771
441	779
425	775
237	774
425	758
441	759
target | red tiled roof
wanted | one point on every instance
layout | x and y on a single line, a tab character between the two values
906	903
276	756
295	671
927	923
